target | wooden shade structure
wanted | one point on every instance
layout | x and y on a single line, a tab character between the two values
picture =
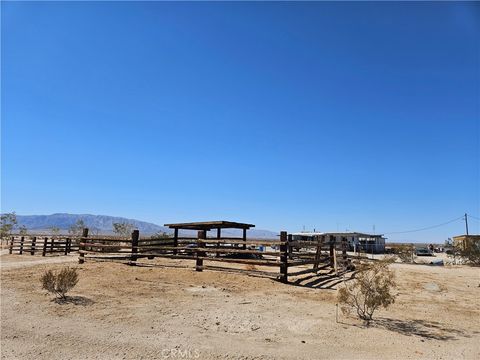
209	225
204	226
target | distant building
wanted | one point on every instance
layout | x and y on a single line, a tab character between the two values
356	241
461	241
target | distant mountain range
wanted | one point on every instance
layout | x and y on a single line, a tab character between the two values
103	224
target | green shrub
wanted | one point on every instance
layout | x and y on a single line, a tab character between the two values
371	289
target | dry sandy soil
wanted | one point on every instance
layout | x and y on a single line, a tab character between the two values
172	312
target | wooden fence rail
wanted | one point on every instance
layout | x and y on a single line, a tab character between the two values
35	245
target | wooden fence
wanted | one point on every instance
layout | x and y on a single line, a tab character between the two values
292	258
42	244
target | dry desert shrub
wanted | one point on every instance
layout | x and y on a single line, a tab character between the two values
470	252
60	283
371	289
123	229
406	253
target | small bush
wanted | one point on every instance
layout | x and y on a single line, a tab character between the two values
371	289
406	253
60	283
470	251
123	229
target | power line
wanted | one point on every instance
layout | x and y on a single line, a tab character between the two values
473	217
426	228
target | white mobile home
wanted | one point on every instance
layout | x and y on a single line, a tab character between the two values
356	241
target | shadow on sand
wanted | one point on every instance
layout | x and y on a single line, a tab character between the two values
431	330
323	280
75	300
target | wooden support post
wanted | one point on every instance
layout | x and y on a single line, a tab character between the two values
335	261
12	240
44	250
175	241
65	251
21	245
202	235
69	245
219	236
51	244
290	248
81	257
318	252
32	248
244	239
135	237
344	251
284	257
332	249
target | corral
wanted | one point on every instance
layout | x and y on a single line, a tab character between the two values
286	255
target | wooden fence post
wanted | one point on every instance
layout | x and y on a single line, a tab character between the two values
69	245
52	240
34	242
12	240
21	245
332	249
290	247
44	250
284	257
318	252
244	237
83	239
135	237
335	267
344	251
219	236
175	241
202	235
65	251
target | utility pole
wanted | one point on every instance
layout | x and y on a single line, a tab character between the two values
466	223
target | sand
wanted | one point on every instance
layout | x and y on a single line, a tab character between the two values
172	312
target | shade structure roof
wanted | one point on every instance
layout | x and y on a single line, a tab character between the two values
208	225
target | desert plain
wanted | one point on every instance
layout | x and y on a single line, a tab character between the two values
170	311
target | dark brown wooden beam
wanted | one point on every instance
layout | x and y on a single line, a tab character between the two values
219	236
175	239
284	257
209	225
244	237
202	235
81	258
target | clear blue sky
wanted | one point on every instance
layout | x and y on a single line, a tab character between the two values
324	115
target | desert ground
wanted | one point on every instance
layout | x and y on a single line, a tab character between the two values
171	311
